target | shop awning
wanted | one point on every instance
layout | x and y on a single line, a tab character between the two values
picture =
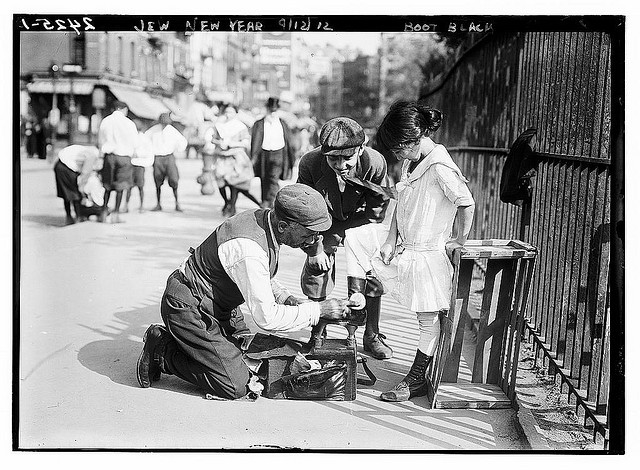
61	86
139	102
221	96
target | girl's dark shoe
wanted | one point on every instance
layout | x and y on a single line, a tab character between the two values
415	384
403	391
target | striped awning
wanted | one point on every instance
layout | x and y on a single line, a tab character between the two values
221	95
139	102
61	86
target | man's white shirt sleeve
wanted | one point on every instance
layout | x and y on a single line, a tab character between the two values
178	141
247	264
280	292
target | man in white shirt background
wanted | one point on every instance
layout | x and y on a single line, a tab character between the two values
201	341
118	136
73	166
272	151
166	140
142	159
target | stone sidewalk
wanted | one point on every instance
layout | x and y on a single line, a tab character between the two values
88	292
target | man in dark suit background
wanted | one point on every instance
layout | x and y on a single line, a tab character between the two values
352	178
272	151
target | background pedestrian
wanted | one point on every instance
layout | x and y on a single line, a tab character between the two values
233	168
142	159
118	136
73	166
272	151
166	140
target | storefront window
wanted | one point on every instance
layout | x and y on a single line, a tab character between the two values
79	49
134	71
120	55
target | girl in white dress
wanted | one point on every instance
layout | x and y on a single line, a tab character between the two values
233	167
411	257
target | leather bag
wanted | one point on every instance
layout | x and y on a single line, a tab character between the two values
327	383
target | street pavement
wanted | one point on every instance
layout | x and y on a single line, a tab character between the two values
87	294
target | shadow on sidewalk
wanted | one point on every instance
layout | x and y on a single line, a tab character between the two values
50	220
116	357
164	247
446	429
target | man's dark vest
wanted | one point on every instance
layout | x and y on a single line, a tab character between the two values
205	274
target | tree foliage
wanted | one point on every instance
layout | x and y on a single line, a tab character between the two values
410	63
411	60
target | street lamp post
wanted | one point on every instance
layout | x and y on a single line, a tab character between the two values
98	99
54	115
71	70
72	110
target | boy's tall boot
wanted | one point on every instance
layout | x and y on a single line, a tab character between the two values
373	340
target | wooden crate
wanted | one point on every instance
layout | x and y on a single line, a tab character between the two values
498	328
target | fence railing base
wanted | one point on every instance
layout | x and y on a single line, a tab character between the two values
598	420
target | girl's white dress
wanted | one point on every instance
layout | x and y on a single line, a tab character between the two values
233	166
420	276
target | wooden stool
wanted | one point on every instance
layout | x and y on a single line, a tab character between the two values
490	379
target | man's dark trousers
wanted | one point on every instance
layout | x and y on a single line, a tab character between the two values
273	161
204	352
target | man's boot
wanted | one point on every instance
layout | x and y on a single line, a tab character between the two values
372	340
318	332
414	384
151	360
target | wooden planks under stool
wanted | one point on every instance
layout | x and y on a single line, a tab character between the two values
470	395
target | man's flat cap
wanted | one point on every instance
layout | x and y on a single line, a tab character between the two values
303	204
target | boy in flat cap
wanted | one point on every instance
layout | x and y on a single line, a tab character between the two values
352	179
202	340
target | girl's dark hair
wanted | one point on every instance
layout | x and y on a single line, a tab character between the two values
406	122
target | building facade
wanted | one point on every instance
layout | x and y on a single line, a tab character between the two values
360	89
70	81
